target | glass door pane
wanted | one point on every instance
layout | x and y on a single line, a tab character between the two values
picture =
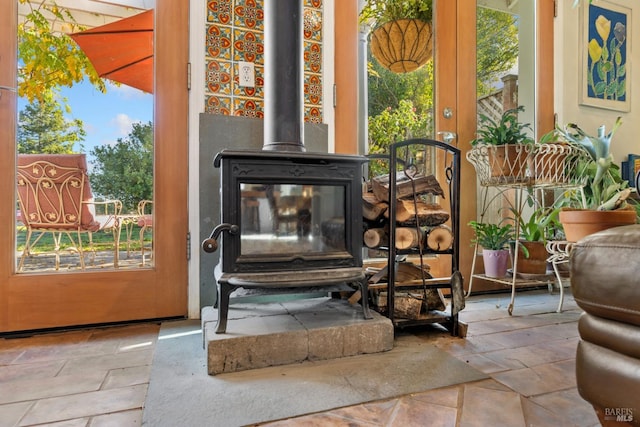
87	117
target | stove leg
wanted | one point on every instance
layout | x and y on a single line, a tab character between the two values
224	290
364	291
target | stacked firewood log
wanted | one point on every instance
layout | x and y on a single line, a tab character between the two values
418	223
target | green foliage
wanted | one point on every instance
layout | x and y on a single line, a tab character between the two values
379	12
541	225
497	47
604	187
102	241
508	130
386	88
48	58
124	171
492	236
396	124
42	128
497	52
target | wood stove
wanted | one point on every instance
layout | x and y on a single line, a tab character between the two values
290	219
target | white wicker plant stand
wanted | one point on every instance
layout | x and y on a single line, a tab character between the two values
546	167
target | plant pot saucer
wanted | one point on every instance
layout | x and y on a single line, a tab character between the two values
531	276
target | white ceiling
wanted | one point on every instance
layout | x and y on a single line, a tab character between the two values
92	13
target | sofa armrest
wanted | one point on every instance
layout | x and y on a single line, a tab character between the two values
604	274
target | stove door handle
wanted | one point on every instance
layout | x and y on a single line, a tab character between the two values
211	244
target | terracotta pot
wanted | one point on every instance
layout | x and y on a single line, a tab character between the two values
495	262
536	262
579	223
402	45
508	163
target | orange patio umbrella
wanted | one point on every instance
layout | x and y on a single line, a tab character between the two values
122	51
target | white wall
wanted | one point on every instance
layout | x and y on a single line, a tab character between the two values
567	80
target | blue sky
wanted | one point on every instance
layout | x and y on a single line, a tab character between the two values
109	116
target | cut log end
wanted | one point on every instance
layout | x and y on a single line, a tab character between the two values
440	238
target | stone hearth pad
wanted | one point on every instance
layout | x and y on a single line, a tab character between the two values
280	333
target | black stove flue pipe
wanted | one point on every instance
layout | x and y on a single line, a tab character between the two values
283	94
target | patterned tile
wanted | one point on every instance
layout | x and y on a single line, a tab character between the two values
248	46
220	11
249	14
312	24
313	57
312	89
218	105
235	33
248	108
219	77
313	114
219	42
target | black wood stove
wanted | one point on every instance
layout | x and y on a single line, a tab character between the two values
290	219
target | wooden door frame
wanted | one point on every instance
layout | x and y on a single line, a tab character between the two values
459	76
8	105
37	301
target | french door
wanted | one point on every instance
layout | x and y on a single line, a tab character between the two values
455	105
43	300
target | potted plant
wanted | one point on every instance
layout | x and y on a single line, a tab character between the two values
604	200
494	240
401	36
533	235
502	148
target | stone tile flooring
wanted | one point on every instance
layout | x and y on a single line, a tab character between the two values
99	377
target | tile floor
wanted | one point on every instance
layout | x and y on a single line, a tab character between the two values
99	377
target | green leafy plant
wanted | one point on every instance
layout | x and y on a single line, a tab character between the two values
492	236
604	187
508	130
378	12
540	226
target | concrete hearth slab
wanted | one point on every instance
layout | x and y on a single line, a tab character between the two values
282	333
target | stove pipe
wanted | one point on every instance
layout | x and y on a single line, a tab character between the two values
283	94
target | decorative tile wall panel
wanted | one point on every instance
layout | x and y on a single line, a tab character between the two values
235	32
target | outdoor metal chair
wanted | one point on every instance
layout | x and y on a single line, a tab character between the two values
145	222
55	197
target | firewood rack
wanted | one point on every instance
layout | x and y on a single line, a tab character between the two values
442	160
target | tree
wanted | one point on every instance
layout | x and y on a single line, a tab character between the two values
387	89
42	128
497	47
48	58
124	171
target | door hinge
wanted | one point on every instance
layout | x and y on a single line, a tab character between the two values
335	95
555	8
188	246
188	75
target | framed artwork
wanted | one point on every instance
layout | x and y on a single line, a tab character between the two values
605	48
